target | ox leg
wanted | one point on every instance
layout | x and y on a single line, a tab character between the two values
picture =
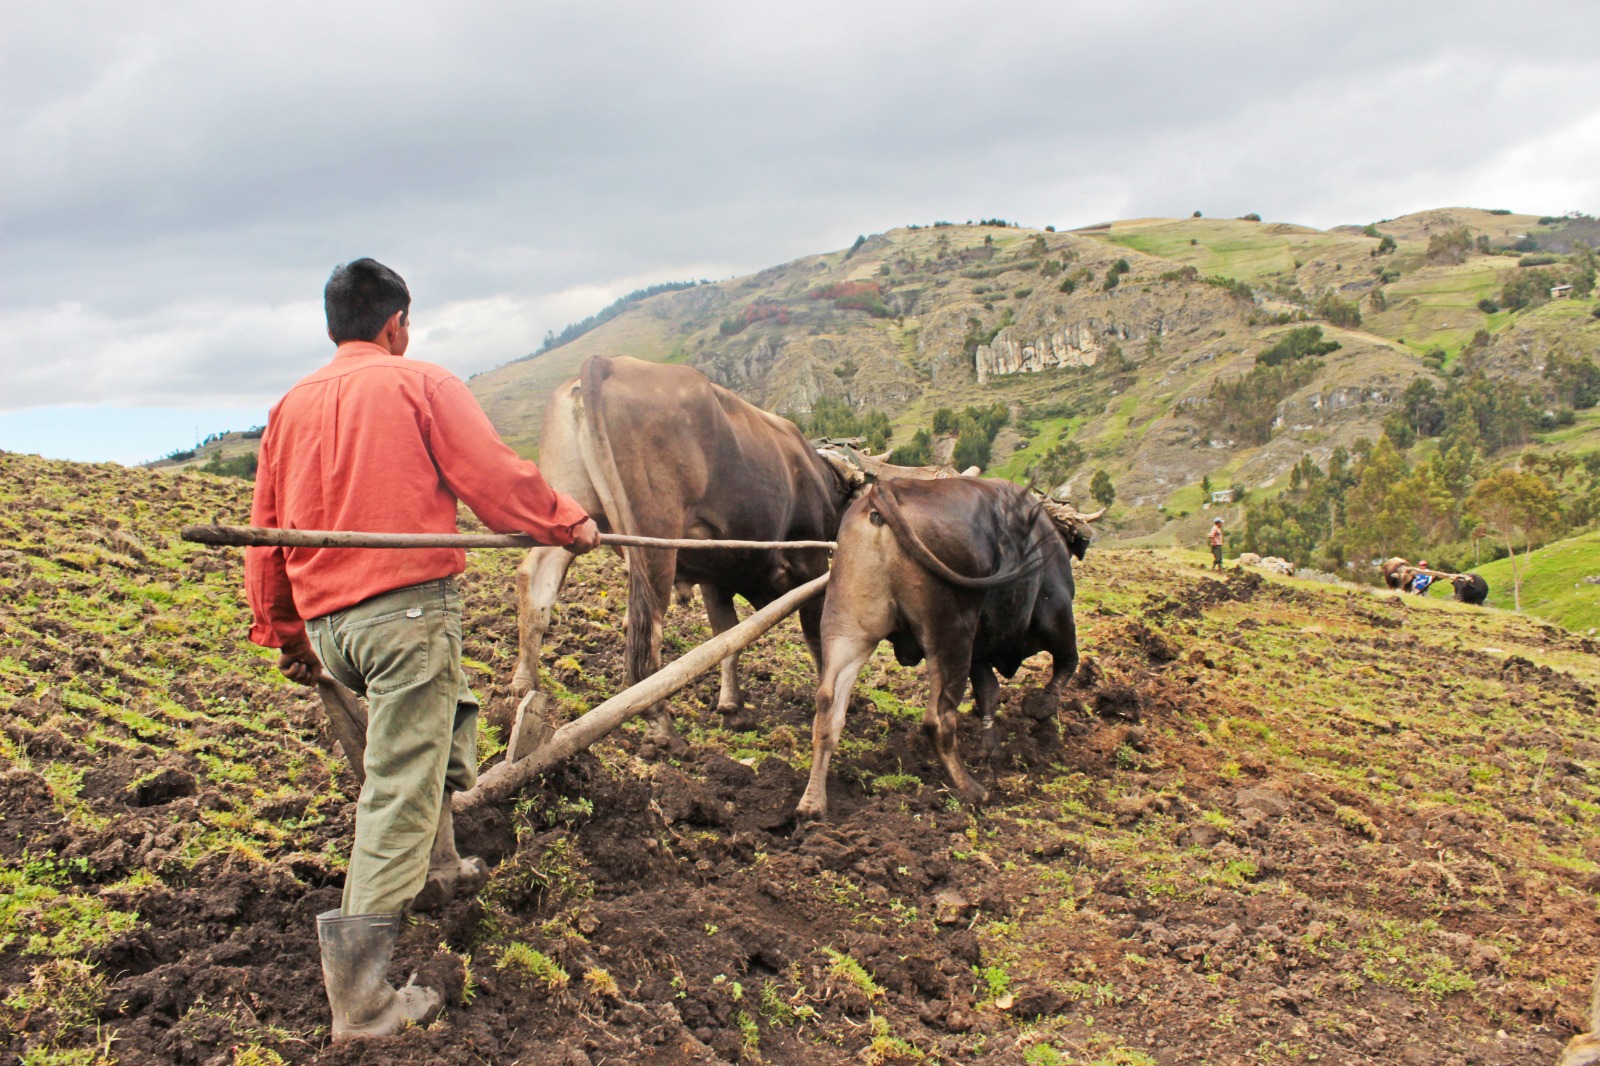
947	683
845	657
730	700
1063	659
650	584
985	699
811	629
539	580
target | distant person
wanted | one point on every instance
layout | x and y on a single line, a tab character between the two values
1420	583
375	442
1215	540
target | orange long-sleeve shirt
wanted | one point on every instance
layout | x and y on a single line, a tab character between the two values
378	443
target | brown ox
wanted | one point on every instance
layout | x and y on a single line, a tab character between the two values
656	450
1394	573
975	575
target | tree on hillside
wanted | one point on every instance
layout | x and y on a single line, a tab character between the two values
1101	489
918	453
1451	246
1519	507
1378	520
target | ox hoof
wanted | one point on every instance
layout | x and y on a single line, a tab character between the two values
666	742
972	794
521	685
807	813
737	719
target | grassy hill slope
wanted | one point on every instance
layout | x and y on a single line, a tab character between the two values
1274	820
1553	584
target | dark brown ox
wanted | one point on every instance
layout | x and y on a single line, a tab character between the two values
1470	588
973	575
656	450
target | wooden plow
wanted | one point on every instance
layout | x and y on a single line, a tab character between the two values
534	747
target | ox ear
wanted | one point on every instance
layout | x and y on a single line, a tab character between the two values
1078	540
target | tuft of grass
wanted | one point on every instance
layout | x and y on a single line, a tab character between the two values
896	783
599	982
843	968
1358	823
520	958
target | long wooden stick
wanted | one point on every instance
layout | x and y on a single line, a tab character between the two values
256	536
501	781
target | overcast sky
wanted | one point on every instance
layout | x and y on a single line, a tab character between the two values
177	179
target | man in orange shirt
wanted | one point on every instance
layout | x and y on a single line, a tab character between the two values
1215	540
375	442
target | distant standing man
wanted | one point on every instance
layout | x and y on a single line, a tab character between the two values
1215	540
375	442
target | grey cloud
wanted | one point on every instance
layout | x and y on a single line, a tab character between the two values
224	158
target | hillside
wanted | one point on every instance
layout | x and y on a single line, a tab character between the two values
1561	582
919	318
1275	821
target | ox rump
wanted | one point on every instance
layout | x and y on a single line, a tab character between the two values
658	450
972	574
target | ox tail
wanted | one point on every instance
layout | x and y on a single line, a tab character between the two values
883	498
601	460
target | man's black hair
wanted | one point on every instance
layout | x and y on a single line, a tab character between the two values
360	297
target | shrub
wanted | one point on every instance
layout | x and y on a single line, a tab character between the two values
1239	290
917	453
1112	278
240	466
1186	273
1499	210
1304	342
1451	246
1101	488
1537	259
1251	217
1340	312
1488	306
1527	288
1246	407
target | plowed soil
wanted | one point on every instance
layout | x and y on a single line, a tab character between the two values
1273	821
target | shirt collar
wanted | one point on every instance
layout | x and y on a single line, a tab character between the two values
354	349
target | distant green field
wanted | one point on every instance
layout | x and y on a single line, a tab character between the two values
1437	306
1235	248
1553	585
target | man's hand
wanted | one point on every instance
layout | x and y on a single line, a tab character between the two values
300	665
585	537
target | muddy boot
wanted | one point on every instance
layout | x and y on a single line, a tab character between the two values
356	951
449	875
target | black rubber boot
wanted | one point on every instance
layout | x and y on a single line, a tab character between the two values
449	875
356	951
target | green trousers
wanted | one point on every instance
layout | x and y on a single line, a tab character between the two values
402	651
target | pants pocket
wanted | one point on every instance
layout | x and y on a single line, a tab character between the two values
390	650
